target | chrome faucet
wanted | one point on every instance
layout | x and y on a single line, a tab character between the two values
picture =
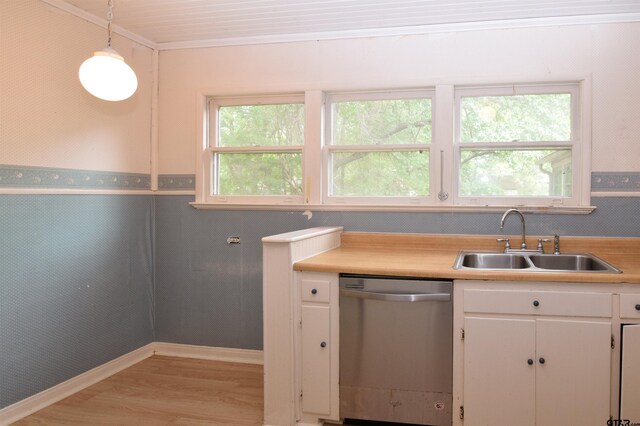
523	244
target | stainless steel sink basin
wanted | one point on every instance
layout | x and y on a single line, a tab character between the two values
535	262
571	262
494	261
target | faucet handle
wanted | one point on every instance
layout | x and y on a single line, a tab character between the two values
540	247
556	244
507	244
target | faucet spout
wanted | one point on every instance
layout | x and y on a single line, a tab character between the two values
523	244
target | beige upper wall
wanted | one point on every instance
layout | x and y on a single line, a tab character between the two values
607	52
46	117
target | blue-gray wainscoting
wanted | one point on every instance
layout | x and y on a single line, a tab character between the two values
76	286
210	293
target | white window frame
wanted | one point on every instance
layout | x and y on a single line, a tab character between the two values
212	148
329	148
577	144
444	158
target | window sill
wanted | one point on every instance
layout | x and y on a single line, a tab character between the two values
580	210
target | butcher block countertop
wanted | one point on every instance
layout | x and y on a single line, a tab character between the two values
428	255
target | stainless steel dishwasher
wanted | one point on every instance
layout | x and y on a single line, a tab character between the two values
396	345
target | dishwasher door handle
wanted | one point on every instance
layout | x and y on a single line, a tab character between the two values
394	297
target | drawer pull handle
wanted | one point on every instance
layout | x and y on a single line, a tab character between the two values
638	307
536	303
323	344
530	361
541	360
314	290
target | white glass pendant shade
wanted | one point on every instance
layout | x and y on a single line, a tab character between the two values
106	76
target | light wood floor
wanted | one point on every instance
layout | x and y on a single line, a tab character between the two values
165	391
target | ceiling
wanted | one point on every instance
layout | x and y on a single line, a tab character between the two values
193	23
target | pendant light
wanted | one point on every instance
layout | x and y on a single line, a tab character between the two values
105	75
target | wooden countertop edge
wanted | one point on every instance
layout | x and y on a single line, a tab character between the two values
418	255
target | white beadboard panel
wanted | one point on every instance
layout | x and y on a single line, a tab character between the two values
173	21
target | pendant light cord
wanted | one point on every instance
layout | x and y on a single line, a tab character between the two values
109	19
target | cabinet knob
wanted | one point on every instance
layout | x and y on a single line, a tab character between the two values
638	307
323	344
541	360
536	303
530	361
314	290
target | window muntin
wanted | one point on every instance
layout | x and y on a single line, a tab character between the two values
518	144
378	149
256	147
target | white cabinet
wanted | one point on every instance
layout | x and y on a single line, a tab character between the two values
317	343
316	360
630	374
283	299
573	384
499	385
533	357
630	367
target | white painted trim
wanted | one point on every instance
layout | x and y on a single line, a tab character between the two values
396	208
101	22
598	194
312	166
303	234
154	121
404	31
175	192
54	394
244	356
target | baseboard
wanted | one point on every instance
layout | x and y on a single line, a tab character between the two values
54	394
245	356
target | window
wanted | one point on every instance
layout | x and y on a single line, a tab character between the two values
378	147
443	148
255	149
518	145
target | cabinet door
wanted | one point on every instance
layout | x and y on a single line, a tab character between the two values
630	380
573	372
499	383
316	359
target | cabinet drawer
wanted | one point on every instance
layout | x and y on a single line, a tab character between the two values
628	303
315	291
557	303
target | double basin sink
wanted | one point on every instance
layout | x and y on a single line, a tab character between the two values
583	262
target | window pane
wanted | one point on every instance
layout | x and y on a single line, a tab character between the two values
405	121
404	173
502	173
516	118
260	174
261	125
